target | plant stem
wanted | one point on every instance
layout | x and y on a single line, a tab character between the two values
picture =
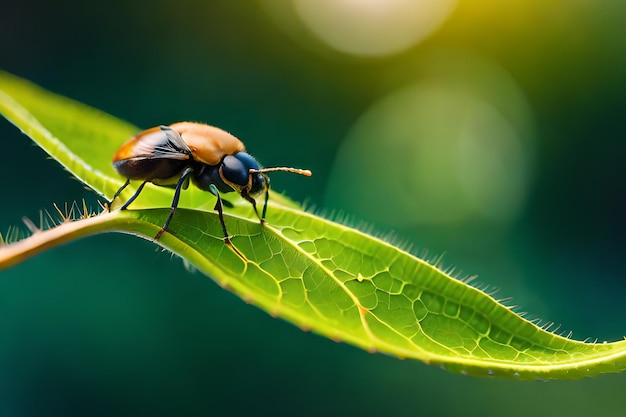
14	253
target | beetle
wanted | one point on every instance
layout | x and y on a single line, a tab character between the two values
213	159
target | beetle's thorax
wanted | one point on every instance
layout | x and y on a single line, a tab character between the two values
206	175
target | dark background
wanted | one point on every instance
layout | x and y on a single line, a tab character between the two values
112	326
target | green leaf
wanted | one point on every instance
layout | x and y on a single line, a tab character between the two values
320	275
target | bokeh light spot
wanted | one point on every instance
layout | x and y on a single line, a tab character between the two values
373	27
438	151
491	166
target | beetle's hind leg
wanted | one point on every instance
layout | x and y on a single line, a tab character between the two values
130	200
134	197
117	193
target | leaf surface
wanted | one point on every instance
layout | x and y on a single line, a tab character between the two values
318	274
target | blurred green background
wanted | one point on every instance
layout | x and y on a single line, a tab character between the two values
491	131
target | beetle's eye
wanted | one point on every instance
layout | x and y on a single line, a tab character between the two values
247	160
257	183
236	169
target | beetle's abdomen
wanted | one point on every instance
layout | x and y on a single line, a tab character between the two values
150	169
154	154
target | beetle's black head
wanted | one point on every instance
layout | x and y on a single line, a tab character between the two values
235	170
232	174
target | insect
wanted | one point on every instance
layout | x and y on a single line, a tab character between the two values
214	161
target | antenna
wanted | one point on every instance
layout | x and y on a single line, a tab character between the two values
304	172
